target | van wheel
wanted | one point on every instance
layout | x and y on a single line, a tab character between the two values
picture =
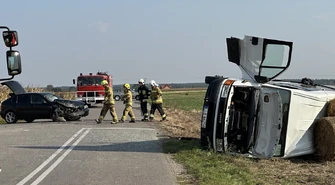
117	98
10	117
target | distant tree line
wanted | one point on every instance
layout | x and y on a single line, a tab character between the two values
133	86
51	88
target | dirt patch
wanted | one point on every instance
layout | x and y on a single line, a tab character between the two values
182	123
298	170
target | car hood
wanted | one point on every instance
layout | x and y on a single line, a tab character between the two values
14	86
69	103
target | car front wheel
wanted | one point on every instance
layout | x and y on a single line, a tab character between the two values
10	117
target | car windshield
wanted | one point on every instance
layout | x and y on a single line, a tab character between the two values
90	80
51	97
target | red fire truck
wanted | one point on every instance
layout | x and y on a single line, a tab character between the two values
89	88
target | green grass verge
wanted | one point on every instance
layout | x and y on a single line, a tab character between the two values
192	100
210	168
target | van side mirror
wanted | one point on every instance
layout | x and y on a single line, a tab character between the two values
74	81
13	62
10	38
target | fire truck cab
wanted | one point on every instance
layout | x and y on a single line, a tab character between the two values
89	88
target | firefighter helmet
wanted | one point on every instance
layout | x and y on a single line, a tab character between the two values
104	82
141	81
127	86
153	83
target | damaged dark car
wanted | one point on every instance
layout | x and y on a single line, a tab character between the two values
29	106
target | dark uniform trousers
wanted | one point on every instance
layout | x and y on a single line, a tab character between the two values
144	108
144	93
159	107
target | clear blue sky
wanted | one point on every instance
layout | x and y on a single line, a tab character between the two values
169	41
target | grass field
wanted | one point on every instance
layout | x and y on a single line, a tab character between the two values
189	100
184	89
210	168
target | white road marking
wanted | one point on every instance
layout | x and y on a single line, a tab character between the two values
31	175
46	172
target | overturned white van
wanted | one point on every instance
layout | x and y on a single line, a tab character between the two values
257	115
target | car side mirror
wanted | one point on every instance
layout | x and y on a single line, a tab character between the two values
13	62
73	81
10	38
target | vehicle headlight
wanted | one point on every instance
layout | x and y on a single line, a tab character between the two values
85	107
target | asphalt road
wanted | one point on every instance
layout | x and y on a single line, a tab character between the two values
83	152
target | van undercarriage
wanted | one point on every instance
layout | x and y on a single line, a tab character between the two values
252	121
242	119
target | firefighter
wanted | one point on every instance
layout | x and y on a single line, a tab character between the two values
109	104
156	101
128	101
143	93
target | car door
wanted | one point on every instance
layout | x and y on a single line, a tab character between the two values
260	59
269	124
23	106
40	107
